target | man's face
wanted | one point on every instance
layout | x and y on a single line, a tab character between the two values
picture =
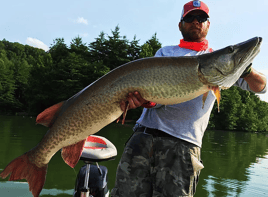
194	31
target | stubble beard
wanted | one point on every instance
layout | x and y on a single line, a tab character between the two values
194	35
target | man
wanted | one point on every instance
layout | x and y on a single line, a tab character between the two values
162	157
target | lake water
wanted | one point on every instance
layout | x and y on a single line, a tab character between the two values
236	163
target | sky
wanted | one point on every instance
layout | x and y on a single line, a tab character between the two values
38	23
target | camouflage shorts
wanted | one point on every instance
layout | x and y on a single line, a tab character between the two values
157	166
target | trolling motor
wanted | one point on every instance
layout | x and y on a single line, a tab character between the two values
92	179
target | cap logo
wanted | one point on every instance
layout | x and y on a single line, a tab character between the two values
196	3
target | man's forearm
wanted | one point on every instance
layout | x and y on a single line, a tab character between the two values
256	80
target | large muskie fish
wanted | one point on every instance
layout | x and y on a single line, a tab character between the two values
164	80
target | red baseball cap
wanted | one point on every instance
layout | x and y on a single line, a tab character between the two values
194	5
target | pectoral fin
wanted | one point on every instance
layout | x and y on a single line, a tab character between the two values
217	92
71	154
124	114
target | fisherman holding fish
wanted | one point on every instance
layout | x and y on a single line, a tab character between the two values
162	157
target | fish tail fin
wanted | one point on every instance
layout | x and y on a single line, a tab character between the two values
22	168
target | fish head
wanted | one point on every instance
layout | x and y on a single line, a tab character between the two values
224	67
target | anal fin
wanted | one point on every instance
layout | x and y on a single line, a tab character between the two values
71	154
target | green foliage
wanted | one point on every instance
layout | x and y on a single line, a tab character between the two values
240	110
78	46
7	83
64	74
146	50
134	49
114	50
154	43
150	47
18	59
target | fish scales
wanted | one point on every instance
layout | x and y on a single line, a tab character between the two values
168	81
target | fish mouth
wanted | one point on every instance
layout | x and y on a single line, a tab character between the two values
247	57
230	78
253	53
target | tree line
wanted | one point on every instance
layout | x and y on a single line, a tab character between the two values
32	80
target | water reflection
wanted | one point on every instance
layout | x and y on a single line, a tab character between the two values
18	135
229	158
236	163
21	189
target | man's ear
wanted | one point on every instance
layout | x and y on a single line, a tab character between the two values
208	23
179	26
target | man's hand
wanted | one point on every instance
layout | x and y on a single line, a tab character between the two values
256	80
134	100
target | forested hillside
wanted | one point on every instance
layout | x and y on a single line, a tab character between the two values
32	79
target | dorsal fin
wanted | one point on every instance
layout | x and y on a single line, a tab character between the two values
47	116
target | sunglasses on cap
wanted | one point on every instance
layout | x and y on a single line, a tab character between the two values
200	18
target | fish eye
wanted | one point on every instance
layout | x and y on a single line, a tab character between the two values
231	49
